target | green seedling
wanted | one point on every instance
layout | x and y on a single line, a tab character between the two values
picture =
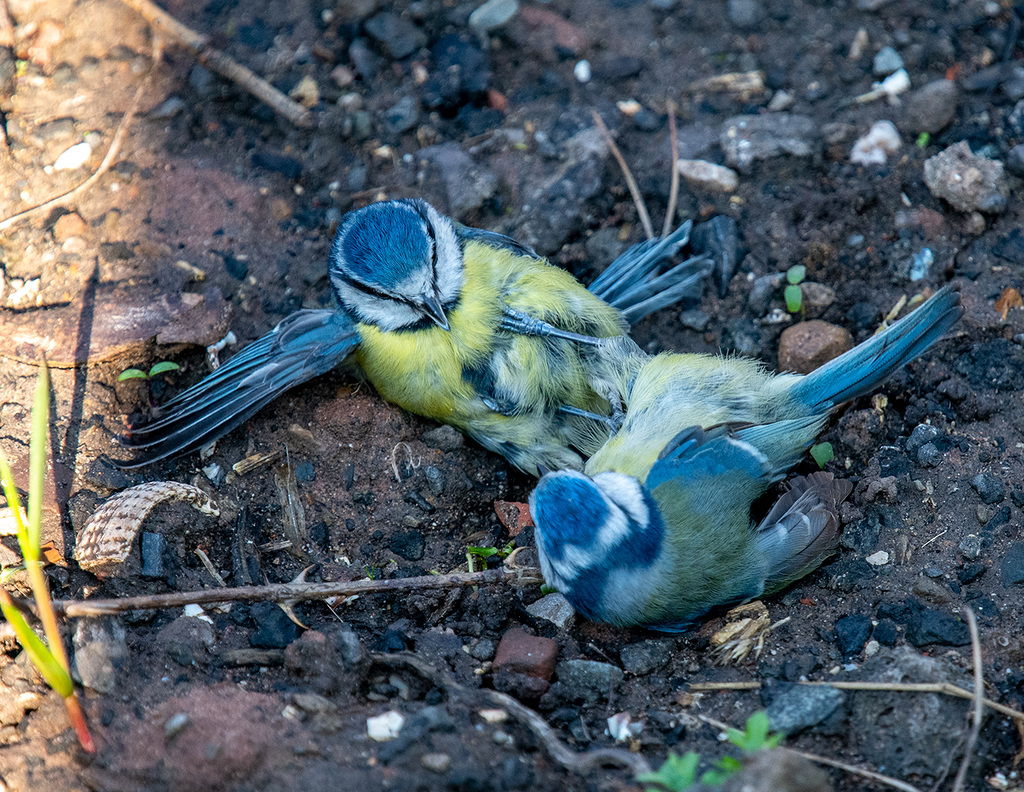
923	139
680	772
487	552
793	293
49	656
822	453
163	367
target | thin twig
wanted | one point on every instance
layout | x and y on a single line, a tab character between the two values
581	763
115	146
882	779
944	688
634	190
284	592
673	190
979	686
221	63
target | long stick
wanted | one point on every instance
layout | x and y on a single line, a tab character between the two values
221	63
284	592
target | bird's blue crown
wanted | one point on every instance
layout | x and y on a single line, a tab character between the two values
385	243
571	510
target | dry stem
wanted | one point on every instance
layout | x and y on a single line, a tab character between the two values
673	191
634	190
979	687
286	592
221	63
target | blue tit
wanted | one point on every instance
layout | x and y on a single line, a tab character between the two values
464	326
657	531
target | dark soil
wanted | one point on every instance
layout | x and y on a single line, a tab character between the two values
238	700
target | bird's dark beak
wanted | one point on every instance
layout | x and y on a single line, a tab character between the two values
542	470
431	308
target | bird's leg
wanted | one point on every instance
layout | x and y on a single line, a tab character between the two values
608	421
515	322
618	413
501	409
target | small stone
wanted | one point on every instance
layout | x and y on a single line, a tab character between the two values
802	707
1012	566
1015	160
468	184
587	680
436	762
274	629
493	14
765	287
929	626
929	455
746	14
748	138
971	572
808	345
153	547
694	319
881	558
989	488
875	147
385	727
306	92
817	297
522	653
74	157
554	608
175	724
69	225
970	546
781	101
852	632
887	632
402	116
642	658
169	108
928	589
444	438
101	653
583	72
931	108
923	433
201	79
343	76
967	181
399	37
707	175
887	60
410	544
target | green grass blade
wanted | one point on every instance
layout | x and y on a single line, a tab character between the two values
50	668
37	458
163	367
13	501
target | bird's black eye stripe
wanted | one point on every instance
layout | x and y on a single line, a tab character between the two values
380	295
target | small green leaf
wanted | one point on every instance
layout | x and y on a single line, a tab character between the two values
13	502
822	453
794	298
545	589
128	374
923	139
796	274
676	774
482	552
42	658
37	462
163	367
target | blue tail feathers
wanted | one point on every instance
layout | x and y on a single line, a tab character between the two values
860	370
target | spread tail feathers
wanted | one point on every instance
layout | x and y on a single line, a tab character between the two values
802	528
302	346
860	370
633	284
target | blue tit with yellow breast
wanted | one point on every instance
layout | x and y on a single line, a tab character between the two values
464	326
657	531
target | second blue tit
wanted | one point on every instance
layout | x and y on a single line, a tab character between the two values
457	324
657	531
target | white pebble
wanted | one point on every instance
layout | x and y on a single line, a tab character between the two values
875	147
708	175
74	157
881	558
385	727
583	71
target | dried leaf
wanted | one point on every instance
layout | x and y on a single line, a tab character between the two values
107	537
1010	298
